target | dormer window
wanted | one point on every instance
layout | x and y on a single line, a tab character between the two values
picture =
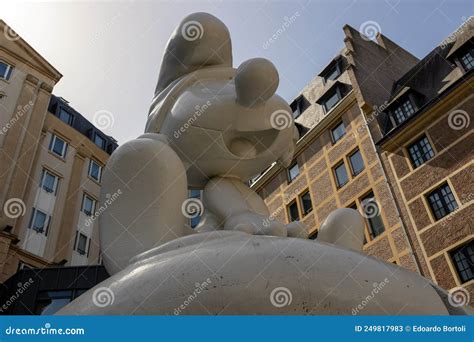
332	71
403	111
467	60
99	141
333	95
298	106
65	116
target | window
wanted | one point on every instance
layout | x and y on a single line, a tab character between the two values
298	106
306	204
51	301
338	132
341	175
65	116
5	70
332	100
195	216
467	60
420	151
38	221
81	244
58	146
95	170
371	212
404	111
293	214
463	259
293	171
49	182
333	71
442	201
88	205
99	141
357	163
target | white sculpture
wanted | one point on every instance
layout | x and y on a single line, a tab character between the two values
213	127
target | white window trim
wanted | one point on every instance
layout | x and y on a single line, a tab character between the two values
63	152
7	70
84	201
56	181
92	161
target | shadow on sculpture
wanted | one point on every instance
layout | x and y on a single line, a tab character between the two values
213	127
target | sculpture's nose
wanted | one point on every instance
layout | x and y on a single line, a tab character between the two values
256	81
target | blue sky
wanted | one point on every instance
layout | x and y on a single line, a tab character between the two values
110	52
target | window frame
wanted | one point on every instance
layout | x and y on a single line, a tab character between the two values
354	173
337	91
464	64
300	198
459	271
288	211
52	143
288	173
417	143
53	191
45	227
89	173
71	116
94	201
96	134
335	65
369	223
445	206
8	71
298	105
339	185
400	105
334	128
79	235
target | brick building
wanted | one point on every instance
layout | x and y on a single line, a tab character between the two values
351	142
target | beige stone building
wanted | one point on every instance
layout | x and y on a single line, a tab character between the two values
51	160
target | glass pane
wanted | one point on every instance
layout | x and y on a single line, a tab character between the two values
468	61
293	212
372	214
65	116
39	220
81	245
306	203
341	175
332	101
55	301
338	132
293	172
48	182
3	70
58	146
95	170
332	74
99	141
88	205
357	164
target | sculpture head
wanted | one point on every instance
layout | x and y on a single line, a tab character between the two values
220	120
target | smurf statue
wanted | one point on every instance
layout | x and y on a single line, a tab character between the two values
213	127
